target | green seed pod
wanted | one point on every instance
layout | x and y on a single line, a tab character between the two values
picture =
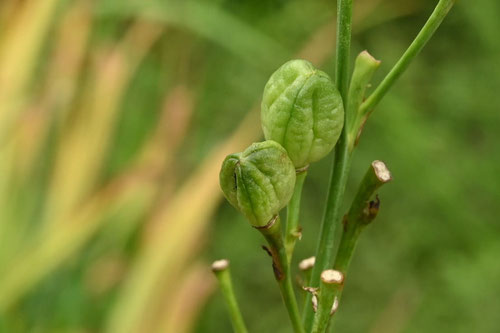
302	110
259	182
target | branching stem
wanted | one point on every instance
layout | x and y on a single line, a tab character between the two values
437	16
362	212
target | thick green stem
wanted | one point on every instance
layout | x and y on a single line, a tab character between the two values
221	270
293	229
362	212
437	16
338	180
331	282
282	272
347	246
325	250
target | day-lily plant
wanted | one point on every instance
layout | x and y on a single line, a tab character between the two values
305	115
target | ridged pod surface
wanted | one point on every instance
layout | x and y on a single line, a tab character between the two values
259	182
303	111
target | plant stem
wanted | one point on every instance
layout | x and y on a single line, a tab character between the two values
338	179
331	282
305	267
293	230
288	294
362	212
344	22
437	16
282	272
221	270
325	250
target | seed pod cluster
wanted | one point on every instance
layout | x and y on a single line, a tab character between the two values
302	116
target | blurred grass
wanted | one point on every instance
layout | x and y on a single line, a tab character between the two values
115	117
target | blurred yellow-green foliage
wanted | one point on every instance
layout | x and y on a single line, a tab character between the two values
116	115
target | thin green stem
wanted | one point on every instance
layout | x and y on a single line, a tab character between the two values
437	16
293	230
282	273
344	23
346	247
338	179
289	299
221	271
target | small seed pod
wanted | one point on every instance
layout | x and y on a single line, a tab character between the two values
259	182
303	111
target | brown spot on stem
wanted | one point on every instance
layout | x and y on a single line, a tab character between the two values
278	271
373	207
344	222
278	274
371	210
265	248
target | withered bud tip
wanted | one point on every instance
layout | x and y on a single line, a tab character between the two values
220	265
307	264
381	171
332	276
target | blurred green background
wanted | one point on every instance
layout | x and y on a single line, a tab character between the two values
115	117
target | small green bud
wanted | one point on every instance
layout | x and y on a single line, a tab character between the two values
259	182
302	110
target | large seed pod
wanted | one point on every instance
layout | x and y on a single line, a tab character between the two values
302	110
259	182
